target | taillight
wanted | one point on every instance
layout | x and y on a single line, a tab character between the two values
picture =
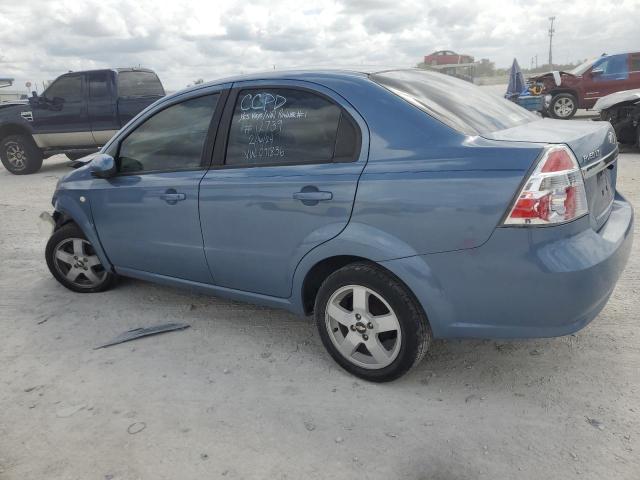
553	193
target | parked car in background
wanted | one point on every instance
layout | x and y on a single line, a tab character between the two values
622	110
585	84
77	114
381	202
446	57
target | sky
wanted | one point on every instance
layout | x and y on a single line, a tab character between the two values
187	40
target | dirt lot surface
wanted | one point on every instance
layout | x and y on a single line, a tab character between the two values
249	392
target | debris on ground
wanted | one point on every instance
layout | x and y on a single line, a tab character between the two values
136	333
45	319
595	423
473	396
136	428
70	411
309	426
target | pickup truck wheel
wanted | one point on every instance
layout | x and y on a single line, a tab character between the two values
563	106
72	260
20	155
371	323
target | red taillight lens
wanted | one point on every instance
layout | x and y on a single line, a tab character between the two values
554	193
557	160
530	207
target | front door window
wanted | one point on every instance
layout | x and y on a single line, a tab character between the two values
170	140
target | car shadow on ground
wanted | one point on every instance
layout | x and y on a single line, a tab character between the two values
60	166
505	364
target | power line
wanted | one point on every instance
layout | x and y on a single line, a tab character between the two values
551	32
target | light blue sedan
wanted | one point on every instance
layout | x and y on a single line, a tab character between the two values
396	206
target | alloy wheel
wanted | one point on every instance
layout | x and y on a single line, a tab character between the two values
363	327
16	155
563	107
76	260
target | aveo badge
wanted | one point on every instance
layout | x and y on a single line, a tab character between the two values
591	155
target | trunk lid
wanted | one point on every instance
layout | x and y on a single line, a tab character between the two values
595	146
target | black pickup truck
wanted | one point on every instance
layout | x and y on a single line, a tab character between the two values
77	114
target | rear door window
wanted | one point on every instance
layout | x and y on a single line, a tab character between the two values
279	126
98	85
139	84
456	103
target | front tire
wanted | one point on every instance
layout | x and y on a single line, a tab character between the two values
371	323
72	261
563	106
20	155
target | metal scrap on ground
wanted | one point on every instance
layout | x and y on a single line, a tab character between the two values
144	332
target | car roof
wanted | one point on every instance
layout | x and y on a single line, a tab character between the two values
360	72
117	70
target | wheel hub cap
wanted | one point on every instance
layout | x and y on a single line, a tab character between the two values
363	327
563	107
76	260
16	155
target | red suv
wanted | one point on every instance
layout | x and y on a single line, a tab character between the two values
582	86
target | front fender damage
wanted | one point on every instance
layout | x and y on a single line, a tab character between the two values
72	206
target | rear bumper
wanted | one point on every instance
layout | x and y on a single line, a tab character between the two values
523	282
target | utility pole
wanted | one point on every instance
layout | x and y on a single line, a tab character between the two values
551	32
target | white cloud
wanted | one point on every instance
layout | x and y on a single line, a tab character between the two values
183	41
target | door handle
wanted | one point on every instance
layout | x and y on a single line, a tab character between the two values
313	196
172	197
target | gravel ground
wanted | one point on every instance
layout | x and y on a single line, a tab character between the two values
248	392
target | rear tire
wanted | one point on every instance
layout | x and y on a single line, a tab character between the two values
72	261
20	155
563	106
371	323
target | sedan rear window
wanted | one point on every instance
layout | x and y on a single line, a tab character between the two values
456	103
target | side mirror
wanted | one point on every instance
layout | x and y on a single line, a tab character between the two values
103	166
597	71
